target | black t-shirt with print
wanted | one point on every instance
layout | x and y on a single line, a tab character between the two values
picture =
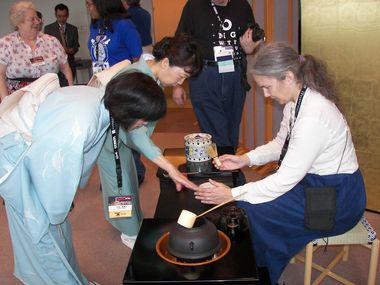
199	20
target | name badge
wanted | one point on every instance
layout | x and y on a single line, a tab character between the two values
224	57
37	61
96	67
120	206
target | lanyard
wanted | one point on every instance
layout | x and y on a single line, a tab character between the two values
291	124
98	38
115	138
217	15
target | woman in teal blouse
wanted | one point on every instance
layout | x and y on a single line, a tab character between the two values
174	59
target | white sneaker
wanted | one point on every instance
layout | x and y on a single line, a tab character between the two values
128	240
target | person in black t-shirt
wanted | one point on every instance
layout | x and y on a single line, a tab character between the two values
218	93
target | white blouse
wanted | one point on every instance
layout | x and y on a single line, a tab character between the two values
320	144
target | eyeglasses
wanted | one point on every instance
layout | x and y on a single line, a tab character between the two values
33	19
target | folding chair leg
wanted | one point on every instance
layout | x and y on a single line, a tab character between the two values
346	249
373	262
308	263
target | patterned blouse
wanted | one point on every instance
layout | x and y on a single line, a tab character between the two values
23	64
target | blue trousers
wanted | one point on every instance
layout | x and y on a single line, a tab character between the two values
277	227
218	101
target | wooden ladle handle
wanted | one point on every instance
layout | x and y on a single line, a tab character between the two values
221	204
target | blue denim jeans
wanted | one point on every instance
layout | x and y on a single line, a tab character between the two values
218	101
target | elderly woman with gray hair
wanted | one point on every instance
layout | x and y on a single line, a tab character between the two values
26	54
318	189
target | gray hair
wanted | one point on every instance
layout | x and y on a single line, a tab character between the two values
275	59
17	12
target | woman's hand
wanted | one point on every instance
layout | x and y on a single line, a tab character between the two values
232	162
213	192
179	95
178	178
181	180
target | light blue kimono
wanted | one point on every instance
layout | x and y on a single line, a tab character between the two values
38	182
138	139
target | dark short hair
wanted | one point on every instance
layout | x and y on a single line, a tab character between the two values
182	51
61	7
108	10
133	95
39	14
133	3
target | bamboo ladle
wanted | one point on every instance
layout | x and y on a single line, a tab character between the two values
187	218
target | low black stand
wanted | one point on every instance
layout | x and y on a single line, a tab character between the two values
147	267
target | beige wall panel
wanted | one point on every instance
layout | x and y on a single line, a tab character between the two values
346	34
166	14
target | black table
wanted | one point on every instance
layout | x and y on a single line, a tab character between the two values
147	267
171	203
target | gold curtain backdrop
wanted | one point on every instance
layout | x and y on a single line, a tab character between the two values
346	34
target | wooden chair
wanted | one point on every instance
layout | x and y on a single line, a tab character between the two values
362	234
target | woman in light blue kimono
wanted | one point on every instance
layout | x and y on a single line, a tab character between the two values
45	155
174	59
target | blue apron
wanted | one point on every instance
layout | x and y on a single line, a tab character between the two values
277	227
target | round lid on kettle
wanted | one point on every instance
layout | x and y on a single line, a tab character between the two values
194	244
